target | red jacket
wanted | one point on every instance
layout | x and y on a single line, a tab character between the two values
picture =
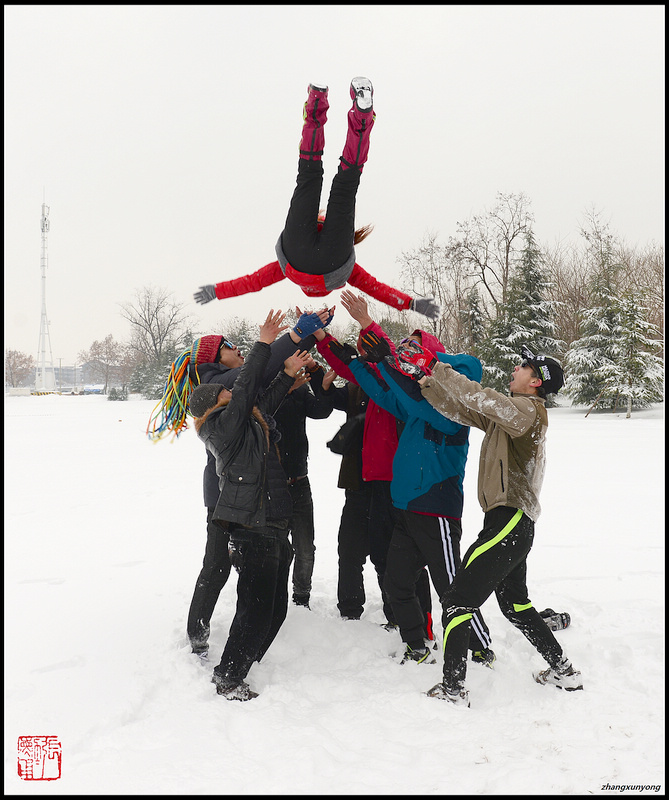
379	439
271	273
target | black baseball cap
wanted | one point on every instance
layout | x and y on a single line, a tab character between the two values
548	369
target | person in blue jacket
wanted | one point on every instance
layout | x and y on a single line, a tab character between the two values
426	487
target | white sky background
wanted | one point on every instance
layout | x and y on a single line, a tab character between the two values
164	140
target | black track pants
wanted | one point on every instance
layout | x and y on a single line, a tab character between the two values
419	540
496	562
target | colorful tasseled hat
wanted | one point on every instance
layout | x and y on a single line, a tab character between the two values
170	415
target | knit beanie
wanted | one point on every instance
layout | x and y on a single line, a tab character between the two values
205	349
169	416
204	397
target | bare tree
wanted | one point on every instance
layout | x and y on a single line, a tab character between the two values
18	367
569	283
157	321
434	270
103	359
490	244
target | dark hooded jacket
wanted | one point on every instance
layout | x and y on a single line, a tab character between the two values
241	437
280	350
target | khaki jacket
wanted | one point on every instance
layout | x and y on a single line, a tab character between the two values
512	460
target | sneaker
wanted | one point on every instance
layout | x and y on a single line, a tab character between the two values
556	621
362	93
421	655
231	690
486	657
458	697
564	676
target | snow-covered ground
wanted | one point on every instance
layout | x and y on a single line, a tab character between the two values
104	537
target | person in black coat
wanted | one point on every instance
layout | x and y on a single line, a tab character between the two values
304	400
215	359
253	504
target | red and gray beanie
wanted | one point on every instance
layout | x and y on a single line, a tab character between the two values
205	349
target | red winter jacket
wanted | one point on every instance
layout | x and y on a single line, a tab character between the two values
312	285
379	438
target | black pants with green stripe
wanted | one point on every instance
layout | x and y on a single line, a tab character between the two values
496	562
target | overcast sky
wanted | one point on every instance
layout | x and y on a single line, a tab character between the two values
164	140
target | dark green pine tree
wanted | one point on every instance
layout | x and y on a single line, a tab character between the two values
473	324
593	356
636	379
526	318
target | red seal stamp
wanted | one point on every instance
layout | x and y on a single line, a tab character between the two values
39	758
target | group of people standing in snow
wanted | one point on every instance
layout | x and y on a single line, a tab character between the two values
409	406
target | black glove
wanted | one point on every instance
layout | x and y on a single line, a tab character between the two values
427	306
376	349
344	352
206	294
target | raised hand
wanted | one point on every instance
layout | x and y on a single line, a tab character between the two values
296	364
375	348
356	305
328	379
272	326
344	352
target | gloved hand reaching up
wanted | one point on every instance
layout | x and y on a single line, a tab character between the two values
375	348
344	352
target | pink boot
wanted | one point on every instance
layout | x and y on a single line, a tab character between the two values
361	118
315	117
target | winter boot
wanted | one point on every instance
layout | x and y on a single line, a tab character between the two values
361	119
232	690
301	600
421	655
564	676
486	656
315	116
556	620
458	697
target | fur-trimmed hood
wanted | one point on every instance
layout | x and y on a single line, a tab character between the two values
199	421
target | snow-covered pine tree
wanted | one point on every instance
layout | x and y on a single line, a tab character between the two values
526	318
473	324
636	377
592	356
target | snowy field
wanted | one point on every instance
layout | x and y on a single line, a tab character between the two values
104	538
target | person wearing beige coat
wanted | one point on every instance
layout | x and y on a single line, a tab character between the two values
511	472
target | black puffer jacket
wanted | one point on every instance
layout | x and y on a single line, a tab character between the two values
280	350
251	484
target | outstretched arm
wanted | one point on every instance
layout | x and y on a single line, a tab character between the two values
265	276
362	280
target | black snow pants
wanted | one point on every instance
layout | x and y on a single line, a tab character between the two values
496	562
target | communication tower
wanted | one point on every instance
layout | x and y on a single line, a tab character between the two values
45	378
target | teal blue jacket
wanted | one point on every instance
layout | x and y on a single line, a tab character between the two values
429	465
